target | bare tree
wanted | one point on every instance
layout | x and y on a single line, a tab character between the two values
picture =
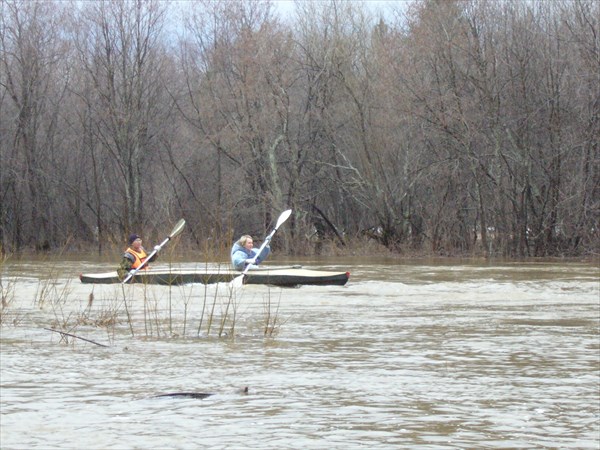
121	51
454	127
235	66
33	85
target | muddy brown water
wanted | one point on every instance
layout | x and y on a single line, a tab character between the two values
454	354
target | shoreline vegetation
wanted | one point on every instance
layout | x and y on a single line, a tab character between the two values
94	315
181	251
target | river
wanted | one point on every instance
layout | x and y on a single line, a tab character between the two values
428	354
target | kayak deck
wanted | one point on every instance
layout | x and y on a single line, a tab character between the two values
274	277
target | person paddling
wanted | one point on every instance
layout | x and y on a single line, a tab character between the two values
244	254
134	256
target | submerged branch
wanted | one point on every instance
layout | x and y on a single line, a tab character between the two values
74	336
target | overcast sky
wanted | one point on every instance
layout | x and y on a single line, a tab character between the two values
286	7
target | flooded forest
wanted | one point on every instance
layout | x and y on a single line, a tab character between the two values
430	127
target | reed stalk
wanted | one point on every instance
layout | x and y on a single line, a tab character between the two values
7	289
203	309
118	312
224	316
127	311
187	297
272	321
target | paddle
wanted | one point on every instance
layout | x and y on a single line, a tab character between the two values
268	268
178	228
239	280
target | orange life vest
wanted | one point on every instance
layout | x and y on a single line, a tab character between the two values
139	258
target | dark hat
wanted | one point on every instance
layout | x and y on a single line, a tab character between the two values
132	238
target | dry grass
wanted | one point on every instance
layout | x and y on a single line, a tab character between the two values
7	293
138	310
272	323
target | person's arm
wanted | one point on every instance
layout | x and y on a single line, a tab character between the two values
157	248
263	255
238	259
125	266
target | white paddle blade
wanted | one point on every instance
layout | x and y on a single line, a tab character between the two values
283	217
238	281
178	228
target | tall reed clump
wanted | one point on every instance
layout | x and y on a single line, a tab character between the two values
272	323
174	311
105	316
99	312
50	289
226	308
221	306
7	291
223	300
53	290
231	303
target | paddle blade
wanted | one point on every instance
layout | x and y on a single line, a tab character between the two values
283	217
177	229
238	281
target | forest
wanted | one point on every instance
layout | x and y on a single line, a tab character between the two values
450	128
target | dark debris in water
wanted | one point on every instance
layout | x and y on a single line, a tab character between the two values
197	395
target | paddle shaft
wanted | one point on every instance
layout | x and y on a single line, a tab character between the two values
263	268
178	228
282	218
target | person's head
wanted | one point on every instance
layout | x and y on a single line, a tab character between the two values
246	241
135	241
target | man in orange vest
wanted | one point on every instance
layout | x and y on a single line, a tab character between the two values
134	256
